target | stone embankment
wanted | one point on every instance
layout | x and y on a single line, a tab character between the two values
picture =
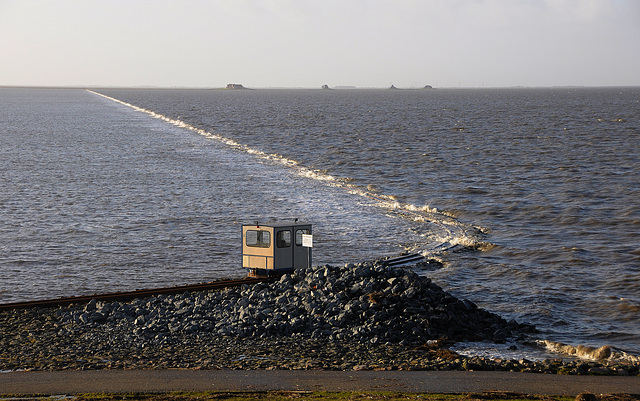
364	316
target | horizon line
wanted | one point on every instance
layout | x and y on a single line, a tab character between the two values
336	87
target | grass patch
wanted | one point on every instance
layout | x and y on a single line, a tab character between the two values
303	396
313	396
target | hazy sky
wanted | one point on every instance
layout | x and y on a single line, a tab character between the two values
308	43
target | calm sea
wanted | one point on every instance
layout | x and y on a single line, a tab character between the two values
530	197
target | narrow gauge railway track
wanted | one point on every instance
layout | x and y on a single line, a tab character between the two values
128	295
403	260
213	285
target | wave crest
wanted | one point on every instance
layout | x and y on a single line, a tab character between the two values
605	352
454	234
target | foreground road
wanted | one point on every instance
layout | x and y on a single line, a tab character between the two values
114	381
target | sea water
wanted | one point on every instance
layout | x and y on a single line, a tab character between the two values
529	197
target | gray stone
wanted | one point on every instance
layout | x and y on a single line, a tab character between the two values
387	314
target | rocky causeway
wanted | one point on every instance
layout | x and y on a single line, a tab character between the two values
364	316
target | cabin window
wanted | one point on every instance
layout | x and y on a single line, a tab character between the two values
258	238
283	239
299	235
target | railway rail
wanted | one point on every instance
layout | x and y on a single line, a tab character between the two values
128	295
213	285
404	260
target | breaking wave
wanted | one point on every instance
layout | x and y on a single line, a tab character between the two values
452	235
605	352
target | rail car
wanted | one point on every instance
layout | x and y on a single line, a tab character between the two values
273	249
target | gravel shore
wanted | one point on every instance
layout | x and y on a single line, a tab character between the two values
353	317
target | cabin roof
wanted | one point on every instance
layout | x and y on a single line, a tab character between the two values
277	224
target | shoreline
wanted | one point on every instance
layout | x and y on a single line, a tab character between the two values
364	317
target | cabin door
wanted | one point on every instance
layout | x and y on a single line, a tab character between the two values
283	253
301	254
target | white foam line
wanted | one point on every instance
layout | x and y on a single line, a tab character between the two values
229	142
424	214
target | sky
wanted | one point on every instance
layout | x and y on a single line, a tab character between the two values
310	43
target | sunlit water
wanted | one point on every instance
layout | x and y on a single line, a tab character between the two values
539	189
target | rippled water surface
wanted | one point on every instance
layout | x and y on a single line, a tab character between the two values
538	187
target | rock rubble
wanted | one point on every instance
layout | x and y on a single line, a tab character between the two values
364	303
364	316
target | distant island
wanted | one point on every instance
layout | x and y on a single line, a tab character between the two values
425	87
327	87
235	86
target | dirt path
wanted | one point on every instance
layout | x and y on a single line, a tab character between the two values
118	381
